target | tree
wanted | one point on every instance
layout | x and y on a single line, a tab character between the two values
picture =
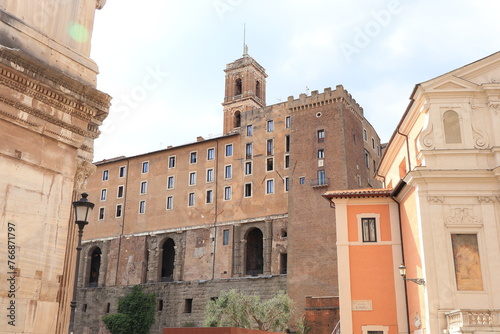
136	313
233	309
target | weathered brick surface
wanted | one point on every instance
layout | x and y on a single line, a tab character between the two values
173	296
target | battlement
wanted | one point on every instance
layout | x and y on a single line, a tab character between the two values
328	96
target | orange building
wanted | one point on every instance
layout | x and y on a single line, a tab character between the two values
439	216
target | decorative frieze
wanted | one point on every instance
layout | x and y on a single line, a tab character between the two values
435	199
461	216
486	199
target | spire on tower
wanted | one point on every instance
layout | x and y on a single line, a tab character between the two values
245	47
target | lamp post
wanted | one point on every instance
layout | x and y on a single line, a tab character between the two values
82	209
402	271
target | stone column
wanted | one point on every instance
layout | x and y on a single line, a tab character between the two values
268	246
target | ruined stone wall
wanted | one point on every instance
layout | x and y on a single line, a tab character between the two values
94	303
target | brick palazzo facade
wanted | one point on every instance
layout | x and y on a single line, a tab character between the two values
243	210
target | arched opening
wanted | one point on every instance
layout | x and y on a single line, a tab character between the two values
257	89
167	261
95	265
451	124
237	119
238	87
254	253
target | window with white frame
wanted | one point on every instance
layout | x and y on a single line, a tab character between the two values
142	207
122	171
145	167
228	171
118	211
104	192
210	175
227	193
286	182
270	186
248	168
369	227
192	178
193	157
170	202
144	187
191	199
287	161
249	150
374	329
287	122
105	175
170	182
210	196
229	150
101	213
321	136
171	161
249	130
270	147
211	154
248	190
270	125
120	192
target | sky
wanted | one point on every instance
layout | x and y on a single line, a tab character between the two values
163	61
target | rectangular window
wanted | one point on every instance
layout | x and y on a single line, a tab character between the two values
225	237
287	143
142	206
120	192
118	211
365	135
269	164
373	143
248	190
287	161
101	213
228	172
270	187
192	178
302	180
145	167
188	305
170	182
144	187
170	202
287	122
321	136
210	154
270	126
321	154
191	199
286	183
249	150
249	130
321	178
369	229
105	175
248	168
103	194
210	197
367	159
229	150
171	161
210	175
122	171
192	157
227	193
467	262
269	147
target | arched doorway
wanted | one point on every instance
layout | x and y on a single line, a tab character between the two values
167	261
95	265
254	253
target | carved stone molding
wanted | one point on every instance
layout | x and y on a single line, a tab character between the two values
486	199
427	137
435	199
100	3
480	136
83	171
461	216
494	106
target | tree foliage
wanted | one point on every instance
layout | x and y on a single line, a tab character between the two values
136	313
233	309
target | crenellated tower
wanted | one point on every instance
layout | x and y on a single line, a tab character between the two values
245	89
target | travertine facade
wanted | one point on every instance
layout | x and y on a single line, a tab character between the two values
49	116
242	209
443	166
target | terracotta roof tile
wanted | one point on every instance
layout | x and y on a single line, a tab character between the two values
366	192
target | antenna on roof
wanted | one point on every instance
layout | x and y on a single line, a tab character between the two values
245	47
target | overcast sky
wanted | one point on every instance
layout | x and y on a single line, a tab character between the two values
163	61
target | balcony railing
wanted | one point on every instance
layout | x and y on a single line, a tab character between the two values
324	182
461	321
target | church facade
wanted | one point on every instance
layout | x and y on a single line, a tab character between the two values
243	210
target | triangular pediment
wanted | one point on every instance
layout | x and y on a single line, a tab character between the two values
450	86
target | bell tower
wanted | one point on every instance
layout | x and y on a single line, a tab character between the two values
245	89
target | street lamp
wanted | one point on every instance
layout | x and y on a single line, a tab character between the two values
402	271
82	209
